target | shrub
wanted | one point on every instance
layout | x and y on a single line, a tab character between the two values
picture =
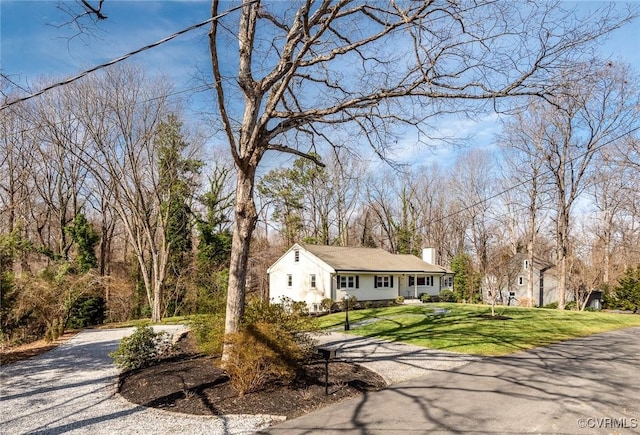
261	353
447	296
291	317
400	300
626	295
551	306
273	343
209	332
353	301
87	311
326	304
141	348
54	330
424	297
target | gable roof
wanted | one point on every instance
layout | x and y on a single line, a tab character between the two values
345	259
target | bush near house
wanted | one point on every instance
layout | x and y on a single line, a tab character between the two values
447	296
327	305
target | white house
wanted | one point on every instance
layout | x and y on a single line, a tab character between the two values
311	273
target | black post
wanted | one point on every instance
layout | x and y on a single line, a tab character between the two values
346	314
328	354
326	377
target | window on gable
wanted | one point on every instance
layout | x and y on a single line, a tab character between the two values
520	280
525	264
312	280
289	280
296	256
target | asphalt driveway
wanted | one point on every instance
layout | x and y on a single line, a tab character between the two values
582	386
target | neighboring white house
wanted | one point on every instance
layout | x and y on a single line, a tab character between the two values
311	273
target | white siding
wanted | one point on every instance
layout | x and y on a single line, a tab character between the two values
301	272
367	290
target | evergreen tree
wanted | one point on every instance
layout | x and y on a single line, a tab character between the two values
627	292
177	184
466	281
214	246
85	238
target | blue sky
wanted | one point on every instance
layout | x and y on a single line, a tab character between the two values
33	46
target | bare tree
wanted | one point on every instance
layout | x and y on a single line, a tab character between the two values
304	69
60	176
473	188
122	110
527	174
611	198
589	112
501	272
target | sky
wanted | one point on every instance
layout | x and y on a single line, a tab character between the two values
38	42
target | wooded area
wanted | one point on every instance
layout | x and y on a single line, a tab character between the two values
109	196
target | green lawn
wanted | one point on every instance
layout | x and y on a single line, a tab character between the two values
467	328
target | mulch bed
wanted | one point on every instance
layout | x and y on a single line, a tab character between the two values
191	383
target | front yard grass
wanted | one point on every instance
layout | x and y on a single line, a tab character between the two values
469	328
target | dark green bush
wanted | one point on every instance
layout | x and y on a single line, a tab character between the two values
87	311
425	297
141	348
626	295
447	296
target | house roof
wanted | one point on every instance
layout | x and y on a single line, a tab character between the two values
345	259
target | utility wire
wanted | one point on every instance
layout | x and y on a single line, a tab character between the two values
124	57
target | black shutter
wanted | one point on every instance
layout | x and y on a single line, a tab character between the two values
391	281
357	281
375	281
337	281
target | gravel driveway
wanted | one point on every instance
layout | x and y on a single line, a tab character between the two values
72	389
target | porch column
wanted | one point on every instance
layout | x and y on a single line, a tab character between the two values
415	286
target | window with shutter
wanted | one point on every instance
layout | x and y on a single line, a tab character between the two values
383	281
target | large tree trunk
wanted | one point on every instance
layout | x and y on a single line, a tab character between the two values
243	226
562	251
